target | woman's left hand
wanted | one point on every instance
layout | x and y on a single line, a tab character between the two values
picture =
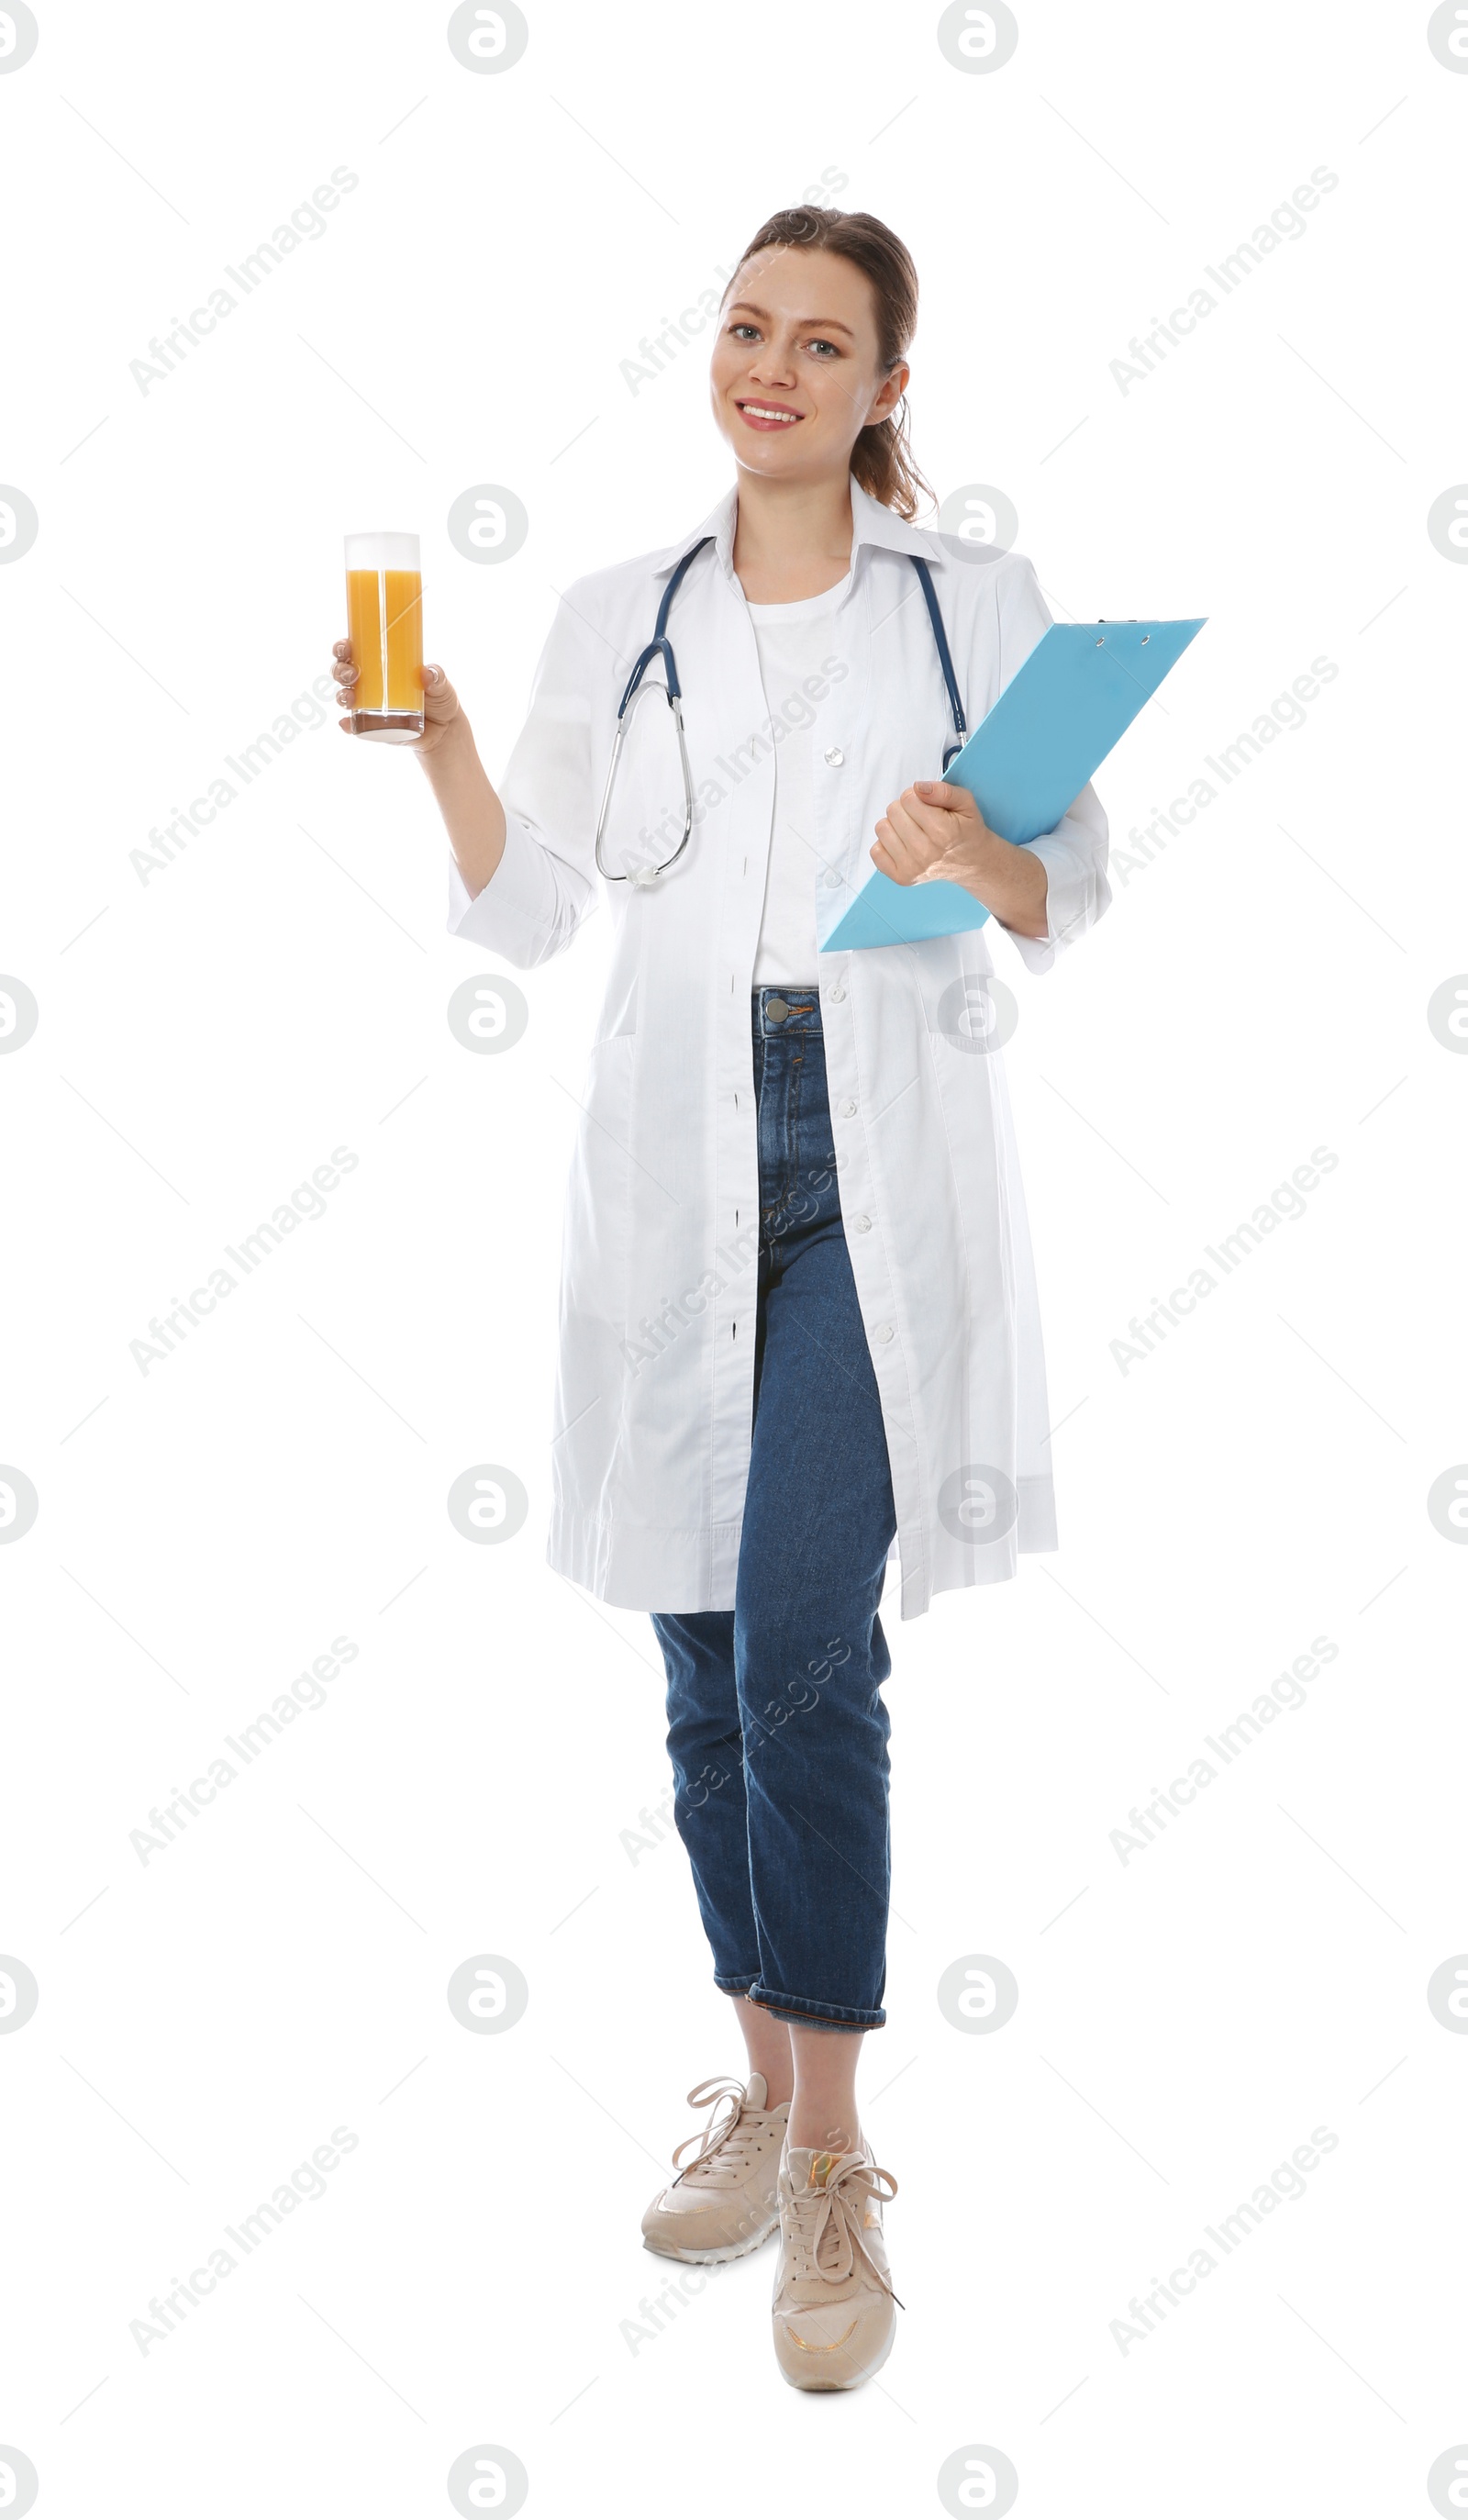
936	831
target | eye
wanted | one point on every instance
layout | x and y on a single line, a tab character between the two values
825	346
742	327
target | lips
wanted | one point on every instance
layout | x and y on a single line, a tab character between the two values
768	415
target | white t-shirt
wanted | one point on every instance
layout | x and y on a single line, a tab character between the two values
794	640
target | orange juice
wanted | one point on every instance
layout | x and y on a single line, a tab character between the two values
384	619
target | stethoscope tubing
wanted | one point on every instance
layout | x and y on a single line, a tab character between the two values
660	645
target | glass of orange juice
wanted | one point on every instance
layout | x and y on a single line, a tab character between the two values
384	620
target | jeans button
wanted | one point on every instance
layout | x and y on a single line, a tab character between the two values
777	1009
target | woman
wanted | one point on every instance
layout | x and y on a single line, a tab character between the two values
798	1318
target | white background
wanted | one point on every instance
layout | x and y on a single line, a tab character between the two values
206	1037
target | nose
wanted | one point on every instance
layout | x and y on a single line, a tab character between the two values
773	365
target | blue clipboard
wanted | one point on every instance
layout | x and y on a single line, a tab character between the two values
1071	701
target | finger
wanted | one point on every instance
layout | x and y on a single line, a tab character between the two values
941	813
941	795
893	855
924	835
431	677
344	647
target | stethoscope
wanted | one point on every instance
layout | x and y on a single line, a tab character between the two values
660	645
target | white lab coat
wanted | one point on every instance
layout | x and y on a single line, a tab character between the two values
658	1269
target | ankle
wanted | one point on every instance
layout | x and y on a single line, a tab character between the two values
822	2129
766	2044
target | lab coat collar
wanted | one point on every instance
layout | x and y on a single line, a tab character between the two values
871	522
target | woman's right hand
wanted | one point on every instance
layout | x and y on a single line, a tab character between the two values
440	700
473	816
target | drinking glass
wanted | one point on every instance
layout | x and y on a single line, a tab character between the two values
384	619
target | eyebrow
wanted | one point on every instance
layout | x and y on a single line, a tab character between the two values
823	323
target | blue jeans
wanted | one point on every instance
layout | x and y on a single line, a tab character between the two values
776	1729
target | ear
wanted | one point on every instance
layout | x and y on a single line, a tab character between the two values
890	393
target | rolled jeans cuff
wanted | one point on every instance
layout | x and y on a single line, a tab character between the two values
735	1985
803	2012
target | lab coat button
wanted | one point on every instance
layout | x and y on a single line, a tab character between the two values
834	755
838	996
884	1331
847	1110
863	1224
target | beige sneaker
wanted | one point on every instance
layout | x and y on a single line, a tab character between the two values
727	2201
833	2299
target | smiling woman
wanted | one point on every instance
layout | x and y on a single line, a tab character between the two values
789	356
799	1327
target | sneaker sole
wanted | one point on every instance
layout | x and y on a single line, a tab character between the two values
713	2257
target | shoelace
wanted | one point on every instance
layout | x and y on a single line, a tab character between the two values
826	2223
735	2136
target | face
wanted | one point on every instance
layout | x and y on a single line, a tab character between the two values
794	375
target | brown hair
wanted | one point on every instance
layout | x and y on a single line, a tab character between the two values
881	458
